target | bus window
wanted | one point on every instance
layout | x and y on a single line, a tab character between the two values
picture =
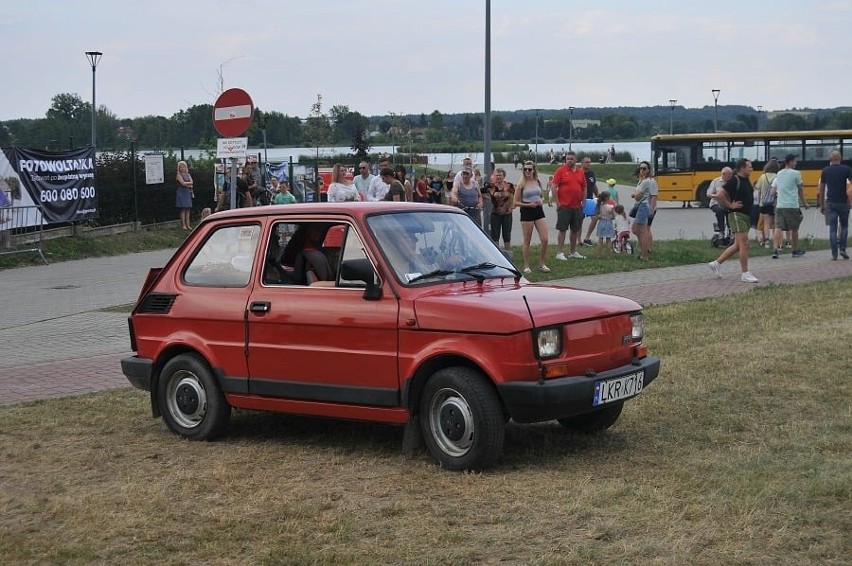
780	148
818	150
673	158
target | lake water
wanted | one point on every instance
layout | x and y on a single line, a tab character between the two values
639	150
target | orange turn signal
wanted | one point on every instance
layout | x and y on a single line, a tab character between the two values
555	370
640	351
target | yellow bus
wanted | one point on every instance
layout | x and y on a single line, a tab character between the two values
685	164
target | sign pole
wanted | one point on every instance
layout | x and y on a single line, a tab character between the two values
233	183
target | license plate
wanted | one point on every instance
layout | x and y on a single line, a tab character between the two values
610	390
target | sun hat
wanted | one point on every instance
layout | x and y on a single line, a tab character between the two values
610	182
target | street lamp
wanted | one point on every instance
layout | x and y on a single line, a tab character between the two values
759	110
715	92
570	127
536	137
94	57
672	102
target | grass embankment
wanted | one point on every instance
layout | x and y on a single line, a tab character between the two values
737	453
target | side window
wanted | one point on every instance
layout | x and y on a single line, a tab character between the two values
311	254
225	259
353	249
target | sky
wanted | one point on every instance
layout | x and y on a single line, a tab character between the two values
415	56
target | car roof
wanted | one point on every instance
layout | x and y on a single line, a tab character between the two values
356	209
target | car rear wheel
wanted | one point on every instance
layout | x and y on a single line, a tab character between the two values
593	422
462	419
190	400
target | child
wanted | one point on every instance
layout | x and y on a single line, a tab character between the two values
622	227
606	229
613	193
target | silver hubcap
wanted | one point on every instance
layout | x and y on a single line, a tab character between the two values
186	399
451	422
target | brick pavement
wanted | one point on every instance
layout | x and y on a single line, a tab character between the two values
55	339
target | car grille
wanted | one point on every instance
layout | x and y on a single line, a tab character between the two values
156	303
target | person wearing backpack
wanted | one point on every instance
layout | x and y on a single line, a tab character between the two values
737	196
767	202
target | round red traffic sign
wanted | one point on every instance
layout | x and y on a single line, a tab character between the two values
233	112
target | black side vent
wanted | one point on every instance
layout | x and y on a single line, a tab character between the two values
156	303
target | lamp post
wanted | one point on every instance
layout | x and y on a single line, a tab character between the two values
94	57
759	110
570	127
672	102
536	137
715	92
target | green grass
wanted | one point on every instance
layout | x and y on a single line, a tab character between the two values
621	172
82	247
737	454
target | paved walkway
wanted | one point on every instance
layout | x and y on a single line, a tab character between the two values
57	339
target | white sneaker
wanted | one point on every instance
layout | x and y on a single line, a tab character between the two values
576	255
716	267
561	257
749	278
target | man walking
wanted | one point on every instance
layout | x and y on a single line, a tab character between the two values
834	196
790	196
737	196
591	192
569	182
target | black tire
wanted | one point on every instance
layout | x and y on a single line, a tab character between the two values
462	419
190	400
593	422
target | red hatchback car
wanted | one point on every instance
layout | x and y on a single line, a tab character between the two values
389	312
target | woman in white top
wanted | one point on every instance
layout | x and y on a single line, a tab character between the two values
342	187
528	198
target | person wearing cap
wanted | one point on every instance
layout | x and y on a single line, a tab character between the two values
613	193
467	196
789	198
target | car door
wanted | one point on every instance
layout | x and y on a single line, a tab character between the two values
324	342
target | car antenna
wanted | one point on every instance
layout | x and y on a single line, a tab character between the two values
538	360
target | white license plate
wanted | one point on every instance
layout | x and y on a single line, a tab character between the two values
610	390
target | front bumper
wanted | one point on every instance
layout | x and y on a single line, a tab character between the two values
534	401
138	371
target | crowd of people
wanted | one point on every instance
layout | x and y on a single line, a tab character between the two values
771	206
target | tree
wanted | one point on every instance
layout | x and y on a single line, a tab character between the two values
317	128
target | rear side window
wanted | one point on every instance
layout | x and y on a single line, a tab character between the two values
225	258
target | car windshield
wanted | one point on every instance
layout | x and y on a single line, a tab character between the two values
425	247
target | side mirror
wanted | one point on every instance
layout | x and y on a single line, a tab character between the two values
362	270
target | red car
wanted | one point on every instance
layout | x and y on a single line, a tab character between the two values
399	313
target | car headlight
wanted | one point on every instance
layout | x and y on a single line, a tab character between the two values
548	342
637	320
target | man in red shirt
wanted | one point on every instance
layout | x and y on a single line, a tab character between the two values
569	182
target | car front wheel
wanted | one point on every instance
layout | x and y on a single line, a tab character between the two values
593	422
462	419
190	400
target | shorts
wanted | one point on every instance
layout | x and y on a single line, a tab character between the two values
739	223
569	219
643	215
788	218
768	209
531	213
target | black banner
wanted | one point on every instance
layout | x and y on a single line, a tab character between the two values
61	184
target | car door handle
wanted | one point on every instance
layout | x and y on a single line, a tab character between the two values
260	306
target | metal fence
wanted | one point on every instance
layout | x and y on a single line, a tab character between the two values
21	230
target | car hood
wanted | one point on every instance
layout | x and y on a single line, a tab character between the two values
503	310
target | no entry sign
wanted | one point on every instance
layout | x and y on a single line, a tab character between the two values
233	112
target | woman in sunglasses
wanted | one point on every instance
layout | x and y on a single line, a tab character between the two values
645	196
528	195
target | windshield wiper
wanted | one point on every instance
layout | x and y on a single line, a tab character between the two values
436	273
489	265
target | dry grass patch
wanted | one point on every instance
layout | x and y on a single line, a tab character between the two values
738	453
